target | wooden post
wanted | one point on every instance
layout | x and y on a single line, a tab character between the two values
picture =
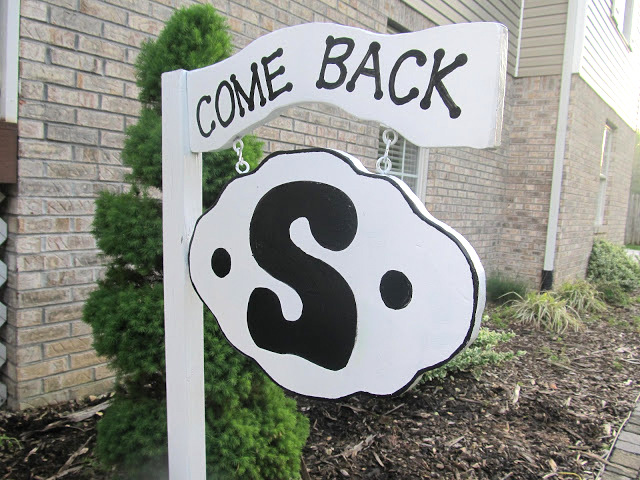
183	314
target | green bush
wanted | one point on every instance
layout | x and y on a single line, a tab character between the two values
501	289
610	265
582	297
143	153
545	311
613	293
480	353
192	38
252	430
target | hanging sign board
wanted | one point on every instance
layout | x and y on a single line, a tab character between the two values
443	86
335	280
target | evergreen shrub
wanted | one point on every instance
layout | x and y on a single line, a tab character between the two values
252	430
609	265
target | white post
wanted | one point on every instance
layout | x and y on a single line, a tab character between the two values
183	314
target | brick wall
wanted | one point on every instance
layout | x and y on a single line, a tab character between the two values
528	177
588	115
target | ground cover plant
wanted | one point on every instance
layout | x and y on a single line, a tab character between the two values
253	431
480	353
545	311
582	297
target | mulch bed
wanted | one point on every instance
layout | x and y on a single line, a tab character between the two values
550	413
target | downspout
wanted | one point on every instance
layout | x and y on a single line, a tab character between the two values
9	38
515	73
574	8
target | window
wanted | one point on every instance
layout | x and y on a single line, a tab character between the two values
622	15
409	163
605	158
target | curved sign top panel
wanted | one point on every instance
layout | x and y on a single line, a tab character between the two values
443	86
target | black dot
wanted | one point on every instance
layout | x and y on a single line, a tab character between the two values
221	262
395	290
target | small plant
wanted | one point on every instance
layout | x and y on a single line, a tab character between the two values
499	318
501	289
9	444
610	264
545	311
582	297
477	355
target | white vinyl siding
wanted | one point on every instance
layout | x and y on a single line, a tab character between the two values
609	65
445	12
543	32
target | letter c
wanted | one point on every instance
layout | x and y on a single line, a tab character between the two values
206	99
421	59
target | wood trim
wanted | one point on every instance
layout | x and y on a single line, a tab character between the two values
8	152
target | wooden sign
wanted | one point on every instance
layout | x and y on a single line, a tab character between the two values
443	86
335	280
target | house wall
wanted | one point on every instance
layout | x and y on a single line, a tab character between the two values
588	115
528	177
608	64
466	189
542	40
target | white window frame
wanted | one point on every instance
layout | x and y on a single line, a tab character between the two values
9	38
605	162
622	14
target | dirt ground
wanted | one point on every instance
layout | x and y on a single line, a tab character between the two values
552	412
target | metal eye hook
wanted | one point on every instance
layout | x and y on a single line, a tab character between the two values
384	164
242	166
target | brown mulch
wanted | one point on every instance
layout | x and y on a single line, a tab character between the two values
550	413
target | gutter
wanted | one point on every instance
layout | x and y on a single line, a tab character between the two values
572	31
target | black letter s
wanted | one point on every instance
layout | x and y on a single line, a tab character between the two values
325	333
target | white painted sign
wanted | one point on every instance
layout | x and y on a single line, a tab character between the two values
335	280
443	86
